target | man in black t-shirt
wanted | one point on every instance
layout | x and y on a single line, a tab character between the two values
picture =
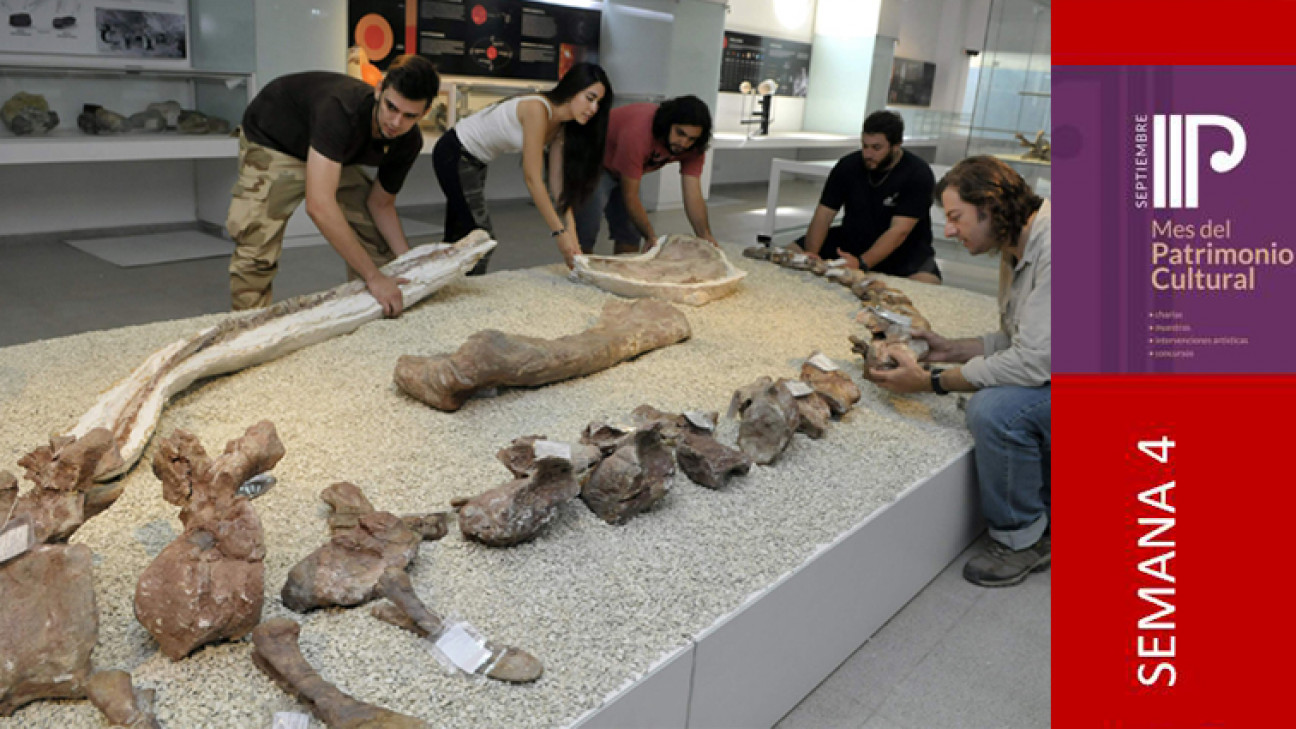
303	138
888	195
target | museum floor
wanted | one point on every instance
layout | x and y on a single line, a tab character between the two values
955	656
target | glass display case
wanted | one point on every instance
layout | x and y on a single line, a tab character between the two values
1012	116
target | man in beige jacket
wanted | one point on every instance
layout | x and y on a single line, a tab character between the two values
989	208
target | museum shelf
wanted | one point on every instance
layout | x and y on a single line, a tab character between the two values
125	90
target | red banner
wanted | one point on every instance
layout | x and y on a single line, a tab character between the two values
1170	549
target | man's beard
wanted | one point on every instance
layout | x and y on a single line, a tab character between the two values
881	164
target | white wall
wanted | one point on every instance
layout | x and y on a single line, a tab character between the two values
49	197
842	64
939	31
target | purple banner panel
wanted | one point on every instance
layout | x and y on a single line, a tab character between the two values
1171	190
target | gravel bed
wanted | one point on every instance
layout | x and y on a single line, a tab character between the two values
598	604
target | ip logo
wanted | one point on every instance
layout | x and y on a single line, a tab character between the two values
1174	145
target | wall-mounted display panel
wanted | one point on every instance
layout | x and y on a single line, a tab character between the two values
912	82
484	38
120	31
754	58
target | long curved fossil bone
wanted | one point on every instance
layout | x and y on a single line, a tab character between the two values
131	408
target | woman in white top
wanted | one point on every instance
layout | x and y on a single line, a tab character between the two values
570	121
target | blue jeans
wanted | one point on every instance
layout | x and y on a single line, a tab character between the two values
1013	431
605	199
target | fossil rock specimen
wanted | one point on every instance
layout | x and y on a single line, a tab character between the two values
632	479
196	122
708	462
877	352
673	425
112	693
407	611
492	358
25	114
65	494
836	387
769	418
348	503
95	119
796	262
1039	149
346	569
813	412
132	407
868	287
429	527
759	253
170	111
48	626
847	277
146	121
781	256
516	511
681	268
275	652
521	459
605	436
207	585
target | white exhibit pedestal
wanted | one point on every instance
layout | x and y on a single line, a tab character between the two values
752	666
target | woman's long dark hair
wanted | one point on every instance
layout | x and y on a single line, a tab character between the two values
582	143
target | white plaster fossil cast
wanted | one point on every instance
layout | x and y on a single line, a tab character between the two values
131	408
680	268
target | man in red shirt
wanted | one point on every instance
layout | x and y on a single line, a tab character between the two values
643	138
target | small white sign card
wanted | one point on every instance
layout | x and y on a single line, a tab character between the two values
463	647
799	388
552	449
823	363
290	720
15	539
699	419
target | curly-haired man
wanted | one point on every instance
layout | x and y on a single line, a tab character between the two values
989	208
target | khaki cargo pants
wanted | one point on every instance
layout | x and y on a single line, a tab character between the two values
269	188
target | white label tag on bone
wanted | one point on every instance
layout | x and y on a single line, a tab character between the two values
798	388
799	258
290	720
823	363
891	317
15	539
836	263
462	648
699	419
552	449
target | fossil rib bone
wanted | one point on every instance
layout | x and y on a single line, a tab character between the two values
276	653
682	268
407	611
122	705
492	358
132	407
516	511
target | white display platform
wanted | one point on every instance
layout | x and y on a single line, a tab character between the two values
755	664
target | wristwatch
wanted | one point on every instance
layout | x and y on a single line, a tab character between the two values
936	383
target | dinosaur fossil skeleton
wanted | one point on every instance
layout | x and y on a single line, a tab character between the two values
131	408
